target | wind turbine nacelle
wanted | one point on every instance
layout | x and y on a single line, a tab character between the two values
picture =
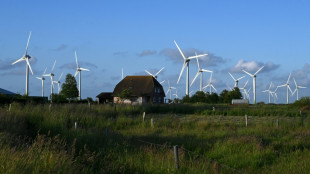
28	57
52	74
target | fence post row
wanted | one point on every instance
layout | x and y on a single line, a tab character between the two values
176	156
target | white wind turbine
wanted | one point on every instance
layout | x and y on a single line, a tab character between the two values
287	85
79	71
26	58
176	94
254	82
210	84
297	89
236	80
200	71
170	90
186	63
58	83
42	79
275	94
155	75
245	90
270	93
52	79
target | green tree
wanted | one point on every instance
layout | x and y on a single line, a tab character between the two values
69	88
127	94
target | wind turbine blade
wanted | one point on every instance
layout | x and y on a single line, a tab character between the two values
197	62
195	78
159	71
53	66
162	82
60	77
27	43
288	78
211	77
77	64
295	82
248	73
294	91
45	71
39	78
301	87
201	55
180	50
241	78
168	91
21	59
83	69
76	72
29	65
205	70
232	76
213	87
259	70
181	72
280	86
246	83
149	73
290	88
173	87
169	84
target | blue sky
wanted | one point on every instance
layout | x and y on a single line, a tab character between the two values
138	35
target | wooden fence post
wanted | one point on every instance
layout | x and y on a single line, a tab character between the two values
277	123
176	156
89	105
75	125
152	122
10	107
143	116
246	120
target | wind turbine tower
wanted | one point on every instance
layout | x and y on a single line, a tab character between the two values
26	58
186	63
42	79
287	85
79	71
254	82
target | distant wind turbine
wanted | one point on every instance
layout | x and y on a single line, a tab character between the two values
58	83
254	82
287	85
170	90
246	95
297	89
200	71
236	80
52	80
210	84
26	58
79	71
269	92
156	74
186	63
42	79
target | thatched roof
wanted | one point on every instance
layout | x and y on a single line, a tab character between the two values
105	95
139	85
3	91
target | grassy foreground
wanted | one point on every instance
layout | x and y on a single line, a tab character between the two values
43	139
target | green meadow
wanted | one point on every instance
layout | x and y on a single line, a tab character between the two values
82	138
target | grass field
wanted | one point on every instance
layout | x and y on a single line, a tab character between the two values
114	139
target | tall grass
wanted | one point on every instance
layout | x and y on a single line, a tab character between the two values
109	139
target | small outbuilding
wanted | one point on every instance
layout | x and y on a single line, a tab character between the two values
105	97
144	89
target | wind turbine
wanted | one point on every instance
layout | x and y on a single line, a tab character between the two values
269	92
170	90
186	63
176	94
210	85
297	88
58	83
200	71
254	82
52	80
275	94
236	80
155	75
26	58
245	90
287	85
42	79
79	71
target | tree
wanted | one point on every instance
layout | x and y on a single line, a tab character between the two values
69	88
127	94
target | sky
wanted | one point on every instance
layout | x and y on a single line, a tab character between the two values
139	35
